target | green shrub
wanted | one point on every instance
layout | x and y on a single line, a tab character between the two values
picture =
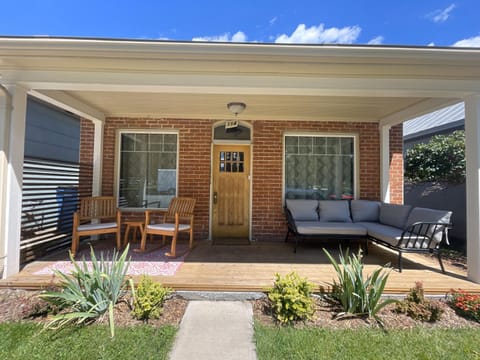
354	294
441	159
148	299
417	307
291	298
465	304
88	293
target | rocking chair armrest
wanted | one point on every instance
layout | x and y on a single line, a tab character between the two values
150	212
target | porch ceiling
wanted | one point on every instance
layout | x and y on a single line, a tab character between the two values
259	107
277	82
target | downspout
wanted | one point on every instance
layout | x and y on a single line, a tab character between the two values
5	107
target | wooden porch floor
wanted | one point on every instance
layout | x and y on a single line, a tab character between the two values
252	268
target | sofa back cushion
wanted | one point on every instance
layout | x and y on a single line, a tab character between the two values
365	210
394	215
303	209
430	215
334	211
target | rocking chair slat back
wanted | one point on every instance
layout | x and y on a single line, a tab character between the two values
100	207
183	206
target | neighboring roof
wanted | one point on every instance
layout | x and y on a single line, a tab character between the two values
438	119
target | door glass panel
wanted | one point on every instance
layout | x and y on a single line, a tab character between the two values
232	161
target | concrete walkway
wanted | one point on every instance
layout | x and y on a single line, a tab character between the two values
215	330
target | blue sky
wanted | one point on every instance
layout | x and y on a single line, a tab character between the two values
387	22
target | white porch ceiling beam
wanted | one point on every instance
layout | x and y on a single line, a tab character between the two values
243	84
69	103
419	109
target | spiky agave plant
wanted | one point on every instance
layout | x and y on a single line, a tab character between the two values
356	295
89	292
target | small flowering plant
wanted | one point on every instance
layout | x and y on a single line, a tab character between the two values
465	304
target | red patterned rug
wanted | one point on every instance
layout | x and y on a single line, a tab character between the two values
152	262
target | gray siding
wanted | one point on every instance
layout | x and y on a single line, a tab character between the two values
51	133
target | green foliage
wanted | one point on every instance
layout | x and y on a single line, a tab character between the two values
465	304
417	307
441	159
88	293
148	299
354	294
291	297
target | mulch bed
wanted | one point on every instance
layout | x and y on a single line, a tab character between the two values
23	305
18	305
325	317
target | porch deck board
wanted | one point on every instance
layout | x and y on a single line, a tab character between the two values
252	268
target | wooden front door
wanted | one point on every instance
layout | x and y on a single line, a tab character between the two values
231	191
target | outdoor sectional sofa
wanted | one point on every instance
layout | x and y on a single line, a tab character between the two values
398	227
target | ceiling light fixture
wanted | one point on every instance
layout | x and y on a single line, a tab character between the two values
236	108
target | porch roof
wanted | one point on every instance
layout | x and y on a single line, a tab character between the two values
98	78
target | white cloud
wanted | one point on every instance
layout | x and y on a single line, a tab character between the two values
431	44
321	35
376	40
239	36
470	42
441	15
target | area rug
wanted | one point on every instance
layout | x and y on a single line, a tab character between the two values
152	262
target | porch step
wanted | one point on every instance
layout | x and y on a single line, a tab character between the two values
215	330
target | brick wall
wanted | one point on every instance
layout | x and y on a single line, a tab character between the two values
86	156
268	218
195	141
268	222
396	164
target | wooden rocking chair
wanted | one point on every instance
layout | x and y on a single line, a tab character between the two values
177	218
101	208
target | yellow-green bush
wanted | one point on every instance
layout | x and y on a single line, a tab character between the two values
291	298
148	299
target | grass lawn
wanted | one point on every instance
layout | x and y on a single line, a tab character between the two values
288	343
30	341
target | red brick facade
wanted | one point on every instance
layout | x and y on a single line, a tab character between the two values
87	131
396	164
268	223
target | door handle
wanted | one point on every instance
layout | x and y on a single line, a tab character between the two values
215	197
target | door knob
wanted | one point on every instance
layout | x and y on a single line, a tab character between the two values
215	197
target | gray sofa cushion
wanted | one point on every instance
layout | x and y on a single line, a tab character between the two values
394	215
303	209
365	210
330	228
392	235
429	215
334	211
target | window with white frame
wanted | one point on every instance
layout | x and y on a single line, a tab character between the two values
319	167
148	169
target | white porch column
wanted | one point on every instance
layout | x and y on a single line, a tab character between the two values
97	157
15	130
385	163
5	110
472	154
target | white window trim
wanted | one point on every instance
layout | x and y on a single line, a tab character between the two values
118	156
356	155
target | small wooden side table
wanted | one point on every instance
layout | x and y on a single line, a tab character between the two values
135	225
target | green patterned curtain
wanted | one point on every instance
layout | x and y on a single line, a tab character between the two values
148	170
319	167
